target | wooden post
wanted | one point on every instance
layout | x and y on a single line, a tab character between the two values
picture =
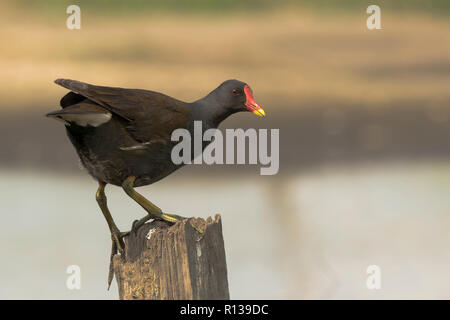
182	261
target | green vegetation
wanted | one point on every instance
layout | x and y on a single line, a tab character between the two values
193	6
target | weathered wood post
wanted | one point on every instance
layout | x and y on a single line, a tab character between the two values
182	261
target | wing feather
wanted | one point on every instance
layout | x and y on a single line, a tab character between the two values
147	115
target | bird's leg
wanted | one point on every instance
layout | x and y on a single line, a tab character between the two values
153	211
116	235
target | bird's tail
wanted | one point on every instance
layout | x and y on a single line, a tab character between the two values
82	114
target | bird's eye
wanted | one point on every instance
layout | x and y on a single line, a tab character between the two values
236	92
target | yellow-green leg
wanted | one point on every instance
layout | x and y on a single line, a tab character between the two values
116	235
153	212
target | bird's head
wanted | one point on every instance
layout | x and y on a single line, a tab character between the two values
238	96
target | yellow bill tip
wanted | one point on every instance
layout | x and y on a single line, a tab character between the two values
259	112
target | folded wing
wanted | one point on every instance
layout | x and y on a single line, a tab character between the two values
146	115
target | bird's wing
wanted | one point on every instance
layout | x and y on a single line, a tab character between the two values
147	115
70	99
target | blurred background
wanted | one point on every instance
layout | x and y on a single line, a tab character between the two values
364	142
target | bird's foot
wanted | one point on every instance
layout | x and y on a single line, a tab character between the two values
117	239
139	223
174	218
117	247
171	217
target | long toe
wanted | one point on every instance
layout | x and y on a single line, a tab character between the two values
171	217
117	239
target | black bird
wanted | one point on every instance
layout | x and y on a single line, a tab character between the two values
123	136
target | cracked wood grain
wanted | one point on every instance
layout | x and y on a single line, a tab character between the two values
181	261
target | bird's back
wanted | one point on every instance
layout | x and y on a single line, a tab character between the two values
121	132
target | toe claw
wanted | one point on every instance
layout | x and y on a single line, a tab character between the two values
134	226
116	237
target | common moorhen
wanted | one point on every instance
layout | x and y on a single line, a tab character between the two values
123	136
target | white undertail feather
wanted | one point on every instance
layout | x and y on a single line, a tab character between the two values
84	119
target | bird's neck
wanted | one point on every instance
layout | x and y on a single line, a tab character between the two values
210	111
